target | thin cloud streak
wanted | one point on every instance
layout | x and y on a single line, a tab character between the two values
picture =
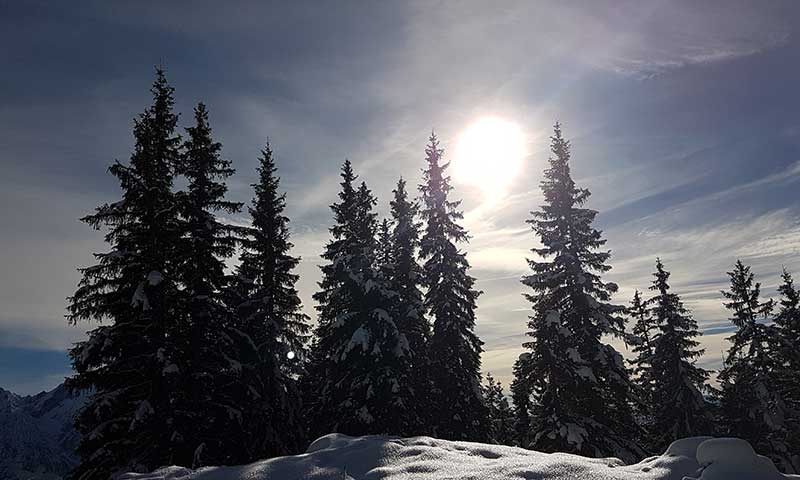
698	164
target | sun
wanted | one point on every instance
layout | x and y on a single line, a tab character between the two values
489	154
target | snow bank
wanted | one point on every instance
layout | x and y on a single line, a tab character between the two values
339	457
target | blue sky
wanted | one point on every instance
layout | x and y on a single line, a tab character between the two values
683	117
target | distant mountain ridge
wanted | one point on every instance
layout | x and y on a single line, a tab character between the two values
37	437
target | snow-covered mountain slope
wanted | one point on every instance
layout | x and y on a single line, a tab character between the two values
37	439
339	457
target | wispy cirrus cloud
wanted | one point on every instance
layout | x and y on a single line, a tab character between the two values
696	165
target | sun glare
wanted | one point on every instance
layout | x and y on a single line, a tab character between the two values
489	154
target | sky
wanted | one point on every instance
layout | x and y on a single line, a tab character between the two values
683	118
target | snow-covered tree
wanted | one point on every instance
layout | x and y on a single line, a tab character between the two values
407	273
208	415
384	254
270	327
677	403
642	346
360	360
459	412
788	324
580	390
405	279
128	362
752	403
788	321
642	339
521	393
501	415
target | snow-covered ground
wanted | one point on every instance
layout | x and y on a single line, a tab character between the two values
339	457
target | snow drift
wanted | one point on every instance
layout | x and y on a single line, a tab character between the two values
339	457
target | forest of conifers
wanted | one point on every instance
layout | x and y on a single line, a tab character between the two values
191	363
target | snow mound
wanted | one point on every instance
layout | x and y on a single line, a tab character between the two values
339	457
734	458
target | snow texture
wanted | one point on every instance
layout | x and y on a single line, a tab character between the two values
336	457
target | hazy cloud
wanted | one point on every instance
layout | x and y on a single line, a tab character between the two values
697	165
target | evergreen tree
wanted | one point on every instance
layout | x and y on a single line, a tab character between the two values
521	393
788	321
752	404
501	415
407	273
359	370
677	402
580	389
788	324
406	280
271	321
459	411
642	340
208	415
128	362
385	246
643	330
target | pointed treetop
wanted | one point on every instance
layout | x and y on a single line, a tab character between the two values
744	296
432	150
400	195
559	144
789	315
162	94
788	290
348	177
637	298
267	162
662	276
347	171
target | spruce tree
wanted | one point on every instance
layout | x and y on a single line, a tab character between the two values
210	416
521	393
384	254
271	322
788	324
128	362
406	280
643	330
677	403
407	273
501	415
752	403
642	341
580	390
459	412
359	368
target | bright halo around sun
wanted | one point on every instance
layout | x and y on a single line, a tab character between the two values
489	154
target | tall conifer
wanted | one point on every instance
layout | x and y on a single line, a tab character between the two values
271	323
642	346
677	403
752	403
128	362
643	331
406	281
460	412
208	413
788	324
579	387
360	359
